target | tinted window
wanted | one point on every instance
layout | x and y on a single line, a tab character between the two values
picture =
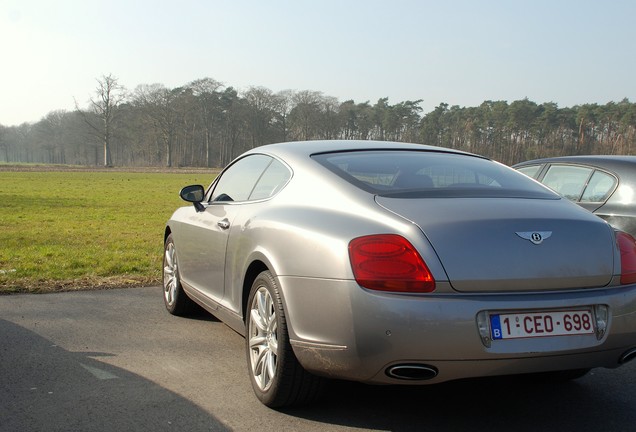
567	180
237	182
273	179
530	171
599	187
431	174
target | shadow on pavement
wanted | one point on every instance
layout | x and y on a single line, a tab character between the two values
499	404
46	388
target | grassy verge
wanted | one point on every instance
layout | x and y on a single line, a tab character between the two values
67	230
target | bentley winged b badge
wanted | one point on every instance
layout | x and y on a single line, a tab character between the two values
535	237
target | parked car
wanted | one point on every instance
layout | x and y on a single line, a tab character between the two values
391	263
604	185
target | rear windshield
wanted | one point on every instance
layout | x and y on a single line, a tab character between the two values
405	174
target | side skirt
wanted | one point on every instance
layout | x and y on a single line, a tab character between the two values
230	318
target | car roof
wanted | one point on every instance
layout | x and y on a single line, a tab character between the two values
610	162
308	148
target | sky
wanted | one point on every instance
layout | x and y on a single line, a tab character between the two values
459	52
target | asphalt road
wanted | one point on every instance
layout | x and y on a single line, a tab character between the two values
117	361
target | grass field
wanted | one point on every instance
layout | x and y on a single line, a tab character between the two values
66	230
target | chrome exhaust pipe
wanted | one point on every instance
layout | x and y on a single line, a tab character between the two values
412	372
627	356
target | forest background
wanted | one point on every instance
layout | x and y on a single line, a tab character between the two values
206	124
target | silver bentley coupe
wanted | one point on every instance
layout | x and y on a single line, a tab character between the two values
393	263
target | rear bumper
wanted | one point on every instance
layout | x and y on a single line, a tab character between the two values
342	331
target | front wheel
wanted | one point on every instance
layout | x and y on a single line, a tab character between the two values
176	300
277	377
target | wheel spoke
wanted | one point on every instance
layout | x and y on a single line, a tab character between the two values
170	274
167	270
169	257
167	290
270	362
273	344
258	341
258	320
260	361
262	342
263	306
262	379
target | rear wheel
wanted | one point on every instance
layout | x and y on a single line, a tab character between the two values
277	377
176	300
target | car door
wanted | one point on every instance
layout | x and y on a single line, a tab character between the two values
205	234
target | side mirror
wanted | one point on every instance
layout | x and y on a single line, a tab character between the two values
194	194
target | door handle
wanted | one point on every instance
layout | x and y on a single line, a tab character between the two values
223	224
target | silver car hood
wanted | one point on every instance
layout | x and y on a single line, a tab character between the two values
486	244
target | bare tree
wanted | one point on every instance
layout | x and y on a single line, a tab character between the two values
205	123
305	115
50	134
329	121
159	104
283	104
103	109
4	144
260	113
206	91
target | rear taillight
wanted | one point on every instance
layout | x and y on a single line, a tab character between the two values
389	262
627	246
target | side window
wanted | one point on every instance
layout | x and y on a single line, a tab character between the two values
530	171
273	179
599	187
567	180
238	181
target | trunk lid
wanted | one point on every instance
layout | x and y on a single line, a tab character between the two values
486	244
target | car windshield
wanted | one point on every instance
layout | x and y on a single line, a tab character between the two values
416	174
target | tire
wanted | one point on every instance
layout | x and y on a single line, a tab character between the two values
176	300
277	377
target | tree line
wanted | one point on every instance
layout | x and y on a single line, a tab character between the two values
207	124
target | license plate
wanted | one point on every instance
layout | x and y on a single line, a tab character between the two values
541	324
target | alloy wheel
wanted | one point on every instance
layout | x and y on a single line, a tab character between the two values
263	338
170	274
